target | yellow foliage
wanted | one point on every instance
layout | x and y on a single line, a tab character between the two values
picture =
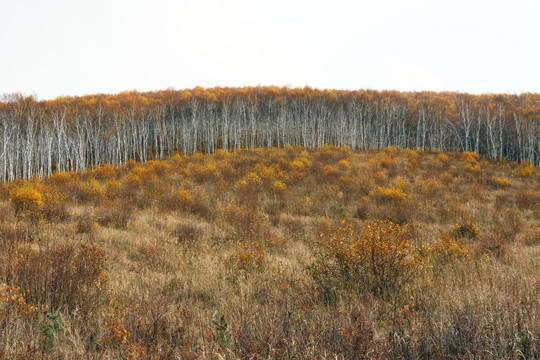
391	194
380	255
249	255
329	171
501	182
114	189
344	164
379	177
222	154
206	172
279	187
450	249
526	171
468	230
104	172
158	167
13	302
62	178
26	197
182	199
387	163
434	187
299	164
400	183
476	170
443	159
469	157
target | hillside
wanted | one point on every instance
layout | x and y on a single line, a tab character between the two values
274	253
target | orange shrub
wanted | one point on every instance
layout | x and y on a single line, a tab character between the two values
501	182
206	172
389	194
443	159
378	258
329	171
62	178
449	249
434	187
469	157
413	163
387	163
278	187
345	183
181	199
140	176
104	172
178	160
249	255
25	197
114	189
299	164
222	154
379	177
90	191
329	154
344	164
159	168
13	303
467	230
526	171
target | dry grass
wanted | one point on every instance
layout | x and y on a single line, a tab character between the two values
246	255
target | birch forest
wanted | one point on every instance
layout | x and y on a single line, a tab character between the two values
76	133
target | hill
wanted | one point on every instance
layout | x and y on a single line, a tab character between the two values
274	253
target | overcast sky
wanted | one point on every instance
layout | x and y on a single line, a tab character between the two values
66	47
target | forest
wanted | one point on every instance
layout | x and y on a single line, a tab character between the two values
77	133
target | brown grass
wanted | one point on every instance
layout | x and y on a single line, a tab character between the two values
246	255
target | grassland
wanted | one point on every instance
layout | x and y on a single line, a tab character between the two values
274	253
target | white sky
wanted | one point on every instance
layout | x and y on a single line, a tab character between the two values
69	47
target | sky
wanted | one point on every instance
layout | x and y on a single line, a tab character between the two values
51	48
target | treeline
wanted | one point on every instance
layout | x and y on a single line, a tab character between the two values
77	133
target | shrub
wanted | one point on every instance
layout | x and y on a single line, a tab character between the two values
379	258
206	172
501	182
249	255
159	168
379	177
26	198
443	159
469	157
329	172
476	170
448	249
90	191
181	199
389	194
114	189
104	172
344	164
387	163
467	230
55	207
278	187
61	275
526	171
299	164
13	303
